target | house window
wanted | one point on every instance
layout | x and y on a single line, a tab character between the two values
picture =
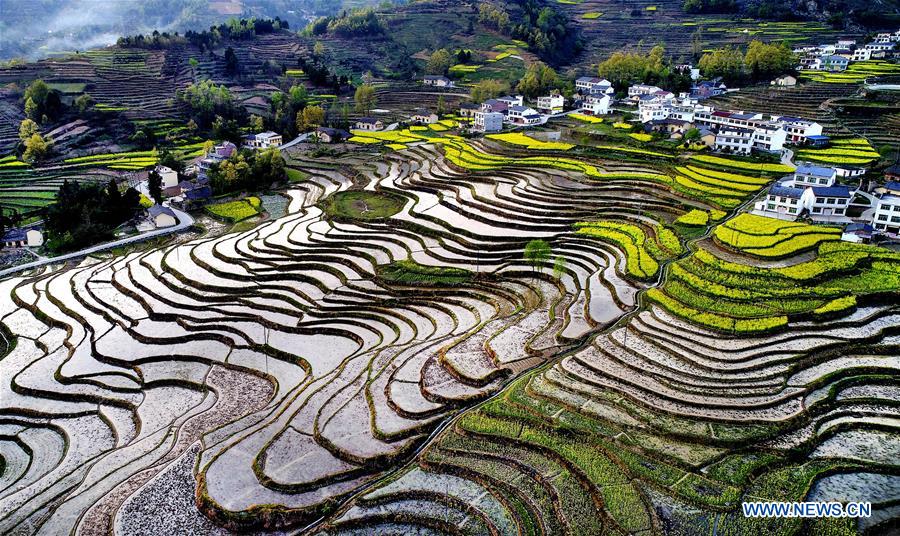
882	217
792	211
817	210
770	206
793	201
831	201
895	219
838	211
823	181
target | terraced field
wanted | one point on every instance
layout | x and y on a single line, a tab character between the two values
258	380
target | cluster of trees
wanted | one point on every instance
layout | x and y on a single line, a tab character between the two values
42	104
442	59
354	23
35	147
318	73
538	80
365	98
624	68
248	170
207	39
85	214
710	6
545	29
489	89
209	102
761	60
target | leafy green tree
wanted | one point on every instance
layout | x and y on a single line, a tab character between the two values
439	62
318	49
257	124
692	134
764	59
488	89
441	106
36	148
365	98
231	62
311	116
194	64
538	80
559	266
726	62
537	252
27	128
83	102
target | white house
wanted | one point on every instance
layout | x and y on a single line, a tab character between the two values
887	214
169	176
809	175
596	104
589	85
512	100
34	238
735	140
783	201
798	129
849	172
369	123
488	121
424	117
769	138
637	90
437	81
861	54
522	115
827	203
263	140
162	217
551	104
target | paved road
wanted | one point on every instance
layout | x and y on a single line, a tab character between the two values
787	157
184	221
295	141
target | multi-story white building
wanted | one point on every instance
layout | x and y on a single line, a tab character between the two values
798	129
522	115
827	203
887	214
735	140
263	140
596	104
488	121
551	104
635	91
769	138
782	202
512	100
589	85
809	175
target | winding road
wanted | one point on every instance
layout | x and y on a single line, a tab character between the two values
185	220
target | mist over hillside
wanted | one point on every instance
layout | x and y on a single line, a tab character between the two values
38	28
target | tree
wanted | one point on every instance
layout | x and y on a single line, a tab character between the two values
764	59
537	252
311	116
231	62
441	106
693	134
28	128
725	62
318	49
208	146
537	80
559	266
365	98
83	102
42	101
154	185
488	89
439	62
194	64
31	109
256	123
36	148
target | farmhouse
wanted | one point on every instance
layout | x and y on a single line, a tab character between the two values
263	140
437	81
635	91
468	109
169	176
809	175
551	104
522	115
424	117
488	121
887	214
596	104
19	238
331	135
162	217
735	140
589	85
783	201
494	105
674	128
369	123
827	203
708	88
